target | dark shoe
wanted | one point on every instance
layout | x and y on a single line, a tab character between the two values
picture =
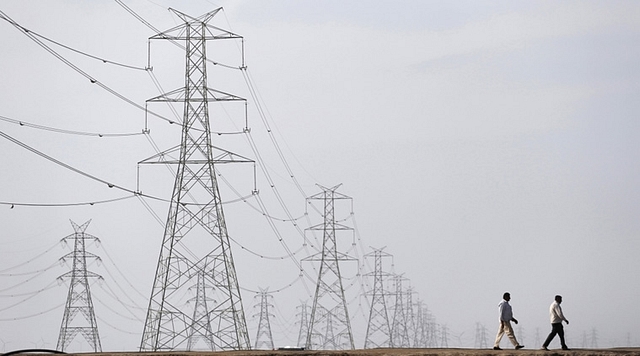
566	348
496	348
518	347
544	348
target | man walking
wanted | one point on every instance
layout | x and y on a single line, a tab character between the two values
506	317
555	313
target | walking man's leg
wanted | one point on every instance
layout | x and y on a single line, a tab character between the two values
511	334
552	334
561	334
499	336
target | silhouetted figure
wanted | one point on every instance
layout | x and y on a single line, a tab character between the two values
555	313
506	317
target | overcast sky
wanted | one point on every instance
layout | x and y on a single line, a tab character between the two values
490	146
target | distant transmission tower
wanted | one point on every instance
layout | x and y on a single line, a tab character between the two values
200	328
399	330
196	242
521	334
421	326
445	337
264	338
304	324
329	325
79	316
432	331
594	338
481	337
378	328
410	316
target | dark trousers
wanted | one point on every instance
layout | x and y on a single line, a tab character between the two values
555	329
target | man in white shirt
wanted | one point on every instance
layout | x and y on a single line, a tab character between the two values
556	316
506	317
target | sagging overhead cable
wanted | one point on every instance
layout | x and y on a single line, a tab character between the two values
76	68
70	132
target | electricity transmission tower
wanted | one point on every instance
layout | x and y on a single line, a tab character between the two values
196	242
201	325
304	324
432	328
79	298
445	337
594	338
378	328
481	337
399	330
521	334
264	338
410	316
329	324
421	326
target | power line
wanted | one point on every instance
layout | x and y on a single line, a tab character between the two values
116	328
103	60
27	298
46	205
33	315
60	163
31	260
70	132
76	68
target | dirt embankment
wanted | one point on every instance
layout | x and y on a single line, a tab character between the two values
381	352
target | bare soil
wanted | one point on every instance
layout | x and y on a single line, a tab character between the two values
380	352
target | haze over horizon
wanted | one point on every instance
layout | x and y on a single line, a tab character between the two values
489	146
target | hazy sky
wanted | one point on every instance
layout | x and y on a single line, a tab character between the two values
491	146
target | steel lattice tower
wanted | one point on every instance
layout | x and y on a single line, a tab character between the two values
421	329
201	323
196	242
399	330
445	337
481	337
378	328
433	331
79	298
329	324
264	338
304	324
410	316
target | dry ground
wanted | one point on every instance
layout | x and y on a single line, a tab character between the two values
384	352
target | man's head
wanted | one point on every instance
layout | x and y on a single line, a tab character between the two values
506	296
559	299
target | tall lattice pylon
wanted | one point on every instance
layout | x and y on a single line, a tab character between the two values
79	316
264	337
378	328
421	327
432	327
196	241
200	328
410	316
304	324
399	329
329	324
481	341
444	342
